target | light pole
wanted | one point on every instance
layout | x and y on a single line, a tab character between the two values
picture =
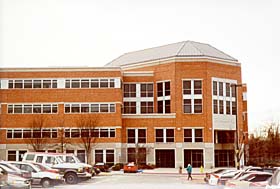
237	150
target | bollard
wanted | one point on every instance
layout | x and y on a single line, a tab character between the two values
180	170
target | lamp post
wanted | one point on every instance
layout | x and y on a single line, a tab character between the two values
237	150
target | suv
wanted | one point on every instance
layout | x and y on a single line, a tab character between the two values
71	158
72	172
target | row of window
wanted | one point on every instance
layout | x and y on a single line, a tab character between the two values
32	83
90	83
90	108
97	133
165	135
69	83
229	107
223	89
32	108
53	108
68	133
146	90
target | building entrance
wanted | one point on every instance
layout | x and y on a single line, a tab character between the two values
165	158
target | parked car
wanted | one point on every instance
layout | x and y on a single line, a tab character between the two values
13	181
226	174
253	179
72	172
264	169
103	167
207	175
46	168
71	158
17	171
40	177
274	182
130	168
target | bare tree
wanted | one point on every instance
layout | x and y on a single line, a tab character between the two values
239	148
37	139
62	140
140	153
88	124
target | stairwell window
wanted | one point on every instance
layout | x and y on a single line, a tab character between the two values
163	97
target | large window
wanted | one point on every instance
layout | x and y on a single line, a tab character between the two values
165	135
136	136
129	108
224	137
193	135
105	156
147	90
224	99
129	90
136	155
193	157
31	133
224	158
192	96
163	97
16	155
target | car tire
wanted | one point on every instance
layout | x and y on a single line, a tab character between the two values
71	178
46	183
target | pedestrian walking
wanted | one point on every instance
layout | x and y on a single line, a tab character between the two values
189	170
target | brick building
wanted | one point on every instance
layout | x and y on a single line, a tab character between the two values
169	105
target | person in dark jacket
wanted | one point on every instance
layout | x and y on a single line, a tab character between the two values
189	170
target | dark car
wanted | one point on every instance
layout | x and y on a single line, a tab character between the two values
103	167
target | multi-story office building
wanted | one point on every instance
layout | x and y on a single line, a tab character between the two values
174	104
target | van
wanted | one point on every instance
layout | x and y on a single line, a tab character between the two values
72	173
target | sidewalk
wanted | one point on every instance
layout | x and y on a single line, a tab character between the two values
195	171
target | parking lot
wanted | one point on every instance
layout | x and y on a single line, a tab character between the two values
154	181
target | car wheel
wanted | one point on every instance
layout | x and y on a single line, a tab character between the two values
71	178
46	183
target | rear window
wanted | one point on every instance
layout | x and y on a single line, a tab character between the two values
30	157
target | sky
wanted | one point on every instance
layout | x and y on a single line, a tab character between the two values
60	33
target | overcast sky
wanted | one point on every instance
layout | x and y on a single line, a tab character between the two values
48	33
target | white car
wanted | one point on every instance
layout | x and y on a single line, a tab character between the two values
39	177
13	181
227	173
252	179
274	182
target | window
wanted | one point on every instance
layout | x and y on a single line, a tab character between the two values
159	89
228	107
10	109
147	107
46	133
11	84
94	108
194	157
192	96
187	135
75	108
136	136
224	158
112	133
221	89
17	133
37	84
47	84
233	91
221	106
104	108
112	83
27	133
84	83
47	108
112	108
186	87
163	88
234	111
27	84
84	108
193	135
197	105
215	88
224	137
147	90
129	90
228	89
81	154
169	135
37	108
12	155
18	84
159	135
99	156
9	133
75	83
215	102
67	83
139	153
75	133
94	83
160	106
131	136
17	109
167	88
103	83
104	133
197	87
129	107
198	135
164	135
27	109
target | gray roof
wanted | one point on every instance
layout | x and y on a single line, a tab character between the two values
180	49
